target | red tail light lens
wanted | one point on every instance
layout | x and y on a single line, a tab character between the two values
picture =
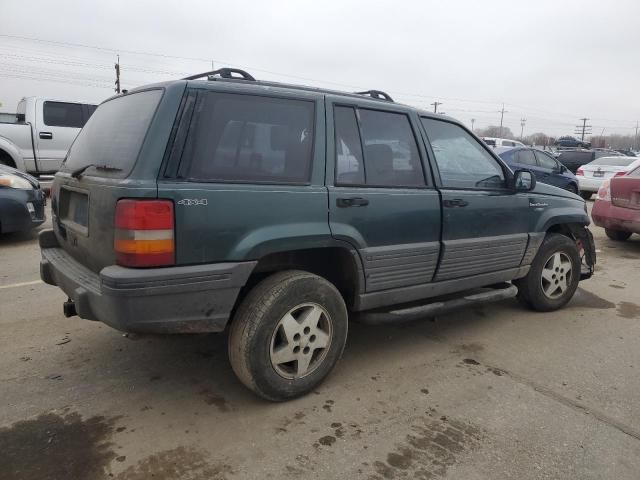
604	192
144	233
620	174
580	172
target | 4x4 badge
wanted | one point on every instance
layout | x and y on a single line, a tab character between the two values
191	202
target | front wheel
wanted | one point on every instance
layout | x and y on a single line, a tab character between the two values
554	275
617	235
288	334
586	195
572	188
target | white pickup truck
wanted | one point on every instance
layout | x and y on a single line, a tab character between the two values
44	129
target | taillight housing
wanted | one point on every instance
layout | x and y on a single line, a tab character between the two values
580	173
620	174
604	192
144	233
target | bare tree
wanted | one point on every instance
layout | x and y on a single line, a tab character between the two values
494	131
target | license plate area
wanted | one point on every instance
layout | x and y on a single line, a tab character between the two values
598	174
73	210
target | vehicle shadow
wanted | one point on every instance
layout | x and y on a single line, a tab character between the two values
19	238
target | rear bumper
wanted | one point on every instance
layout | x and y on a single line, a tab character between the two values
589	184
612	217
190	299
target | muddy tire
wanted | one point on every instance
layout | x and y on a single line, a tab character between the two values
287	335
617	235
554	275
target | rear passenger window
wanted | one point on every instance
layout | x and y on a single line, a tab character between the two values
60	114
247	138
390	157
546	161
461	160
525	157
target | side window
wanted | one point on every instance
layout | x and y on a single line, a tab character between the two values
248	138
461	160
349	163
525	157
90	110
59	114
390	157
546	161
634	173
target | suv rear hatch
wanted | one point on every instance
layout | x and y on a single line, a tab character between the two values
116	155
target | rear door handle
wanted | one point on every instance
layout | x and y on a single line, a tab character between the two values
352	202
46	135
455	203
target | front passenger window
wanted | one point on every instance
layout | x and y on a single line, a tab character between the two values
461	160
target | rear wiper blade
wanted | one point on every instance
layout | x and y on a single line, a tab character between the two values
79	171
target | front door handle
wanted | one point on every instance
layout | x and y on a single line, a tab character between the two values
352	202
455	203
46	135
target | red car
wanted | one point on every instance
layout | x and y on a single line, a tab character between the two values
617	207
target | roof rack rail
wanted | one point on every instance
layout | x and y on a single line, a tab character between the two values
377	94
223	73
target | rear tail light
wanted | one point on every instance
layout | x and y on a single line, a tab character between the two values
580	172
620	174
604	192
144	233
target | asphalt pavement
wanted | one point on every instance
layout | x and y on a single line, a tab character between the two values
493	392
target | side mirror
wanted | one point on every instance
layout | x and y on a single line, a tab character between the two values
524	180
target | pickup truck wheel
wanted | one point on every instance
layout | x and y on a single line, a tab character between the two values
288	334
586	195
554	275
617	235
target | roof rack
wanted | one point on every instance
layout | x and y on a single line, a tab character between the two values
223	73
377	94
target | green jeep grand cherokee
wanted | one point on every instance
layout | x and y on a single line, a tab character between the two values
277	211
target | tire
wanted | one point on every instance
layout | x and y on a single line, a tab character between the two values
586	195
556	254
269	325
572	188
617	235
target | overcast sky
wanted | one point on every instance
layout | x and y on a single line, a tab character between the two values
551	63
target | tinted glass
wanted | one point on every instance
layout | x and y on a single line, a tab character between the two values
247	138
390	150
349	164
614	161
114	133
525	157
59	114
462	161
546	161
90	110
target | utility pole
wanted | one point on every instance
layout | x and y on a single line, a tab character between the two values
117	89
473	121
502	112
213	67
522	122
435	106
583	129
636	142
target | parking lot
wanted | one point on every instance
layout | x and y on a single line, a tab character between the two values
490	393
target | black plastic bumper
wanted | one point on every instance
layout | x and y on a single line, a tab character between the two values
189	299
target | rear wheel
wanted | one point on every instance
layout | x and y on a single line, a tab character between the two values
586	195
554	275
617	235
288	334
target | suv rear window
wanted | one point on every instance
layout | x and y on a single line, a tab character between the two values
114	133
250	138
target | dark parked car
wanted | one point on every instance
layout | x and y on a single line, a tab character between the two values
22	201
277	211
571	142
545	167
574	159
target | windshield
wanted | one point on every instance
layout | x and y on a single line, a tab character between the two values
114	134
614	161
